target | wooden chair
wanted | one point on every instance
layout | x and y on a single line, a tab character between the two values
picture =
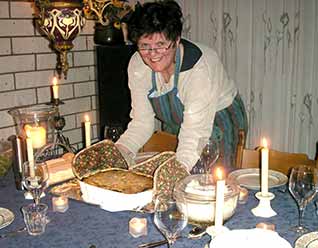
279	161
159	142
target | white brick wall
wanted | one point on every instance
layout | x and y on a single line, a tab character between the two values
12	99
6	82
27	66
21	9
4	9
17	63
22	45
5	46
16	27
84	89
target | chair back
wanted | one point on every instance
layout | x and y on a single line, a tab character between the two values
160	142
279	161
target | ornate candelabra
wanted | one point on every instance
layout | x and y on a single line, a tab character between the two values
60	143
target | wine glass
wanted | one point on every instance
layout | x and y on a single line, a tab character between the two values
34	178
303	183
170	216
209	150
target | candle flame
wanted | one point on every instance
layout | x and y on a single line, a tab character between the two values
86	118
219	173
264	142
54	81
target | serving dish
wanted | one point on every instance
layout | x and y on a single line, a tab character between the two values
250	178
199	193
113	200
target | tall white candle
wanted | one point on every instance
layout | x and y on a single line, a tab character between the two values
220	188
30	153
264	168
55	88
87	131
38	135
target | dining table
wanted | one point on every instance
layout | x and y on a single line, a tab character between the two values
86	226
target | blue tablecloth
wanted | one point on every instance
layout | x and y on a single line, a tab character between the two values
83	225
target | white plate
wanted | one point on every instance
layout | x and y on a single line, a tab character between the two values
250	178
308	240
6	217
249	238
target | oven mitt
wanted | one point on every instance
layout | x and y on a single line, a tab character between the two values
149	166
167	175
97	158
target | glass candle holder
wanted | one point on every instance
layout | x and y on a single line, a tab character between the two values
38	120
138	227
60	204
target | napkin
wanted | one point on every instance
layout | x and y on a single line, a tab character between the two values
249	238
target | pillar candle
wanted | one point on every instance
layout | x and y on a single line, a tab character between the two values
37	135
264	168
87	131
30	153
220	189
55	88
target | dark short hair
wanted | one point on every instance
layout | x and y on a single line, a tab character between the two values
156	17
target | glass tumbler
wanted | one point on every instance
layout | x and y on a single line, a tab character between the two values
35	218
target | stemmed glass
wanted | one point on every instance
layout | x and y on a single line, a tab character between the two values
170	216
303	183
209	150
34	178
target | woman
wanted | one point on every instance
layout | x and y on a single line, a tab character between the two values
181	83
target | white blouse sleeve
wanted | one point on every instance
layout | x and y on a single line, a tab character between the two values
141	127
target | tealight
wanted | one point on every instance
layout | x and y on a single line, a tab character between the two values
60	204
243	196
266	226
138	227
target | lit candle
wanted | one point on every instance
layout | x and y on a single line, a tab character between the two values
60	204
30	153
138	227
243	195
55	88
220	188
38	135
87	131
264	168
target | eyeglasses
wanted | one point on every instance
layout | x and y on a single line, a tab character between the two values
160	49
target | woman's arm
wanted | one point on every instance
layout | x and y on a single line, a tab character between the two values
141	127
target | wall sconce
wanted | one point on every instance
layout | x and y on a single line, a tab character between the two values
106	11
61	21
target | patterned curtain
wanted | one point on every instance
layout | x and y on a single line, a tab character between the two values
270	48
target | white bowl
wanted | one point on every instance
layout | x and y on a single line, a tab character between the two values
199	194
114	201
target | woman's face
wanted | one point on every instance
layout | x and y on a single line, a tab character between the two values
157	52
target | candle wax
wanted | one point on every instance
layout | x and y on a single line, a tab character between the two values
87	131
264	168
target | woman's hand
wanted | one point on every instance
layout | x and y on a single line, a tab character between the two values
127	154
